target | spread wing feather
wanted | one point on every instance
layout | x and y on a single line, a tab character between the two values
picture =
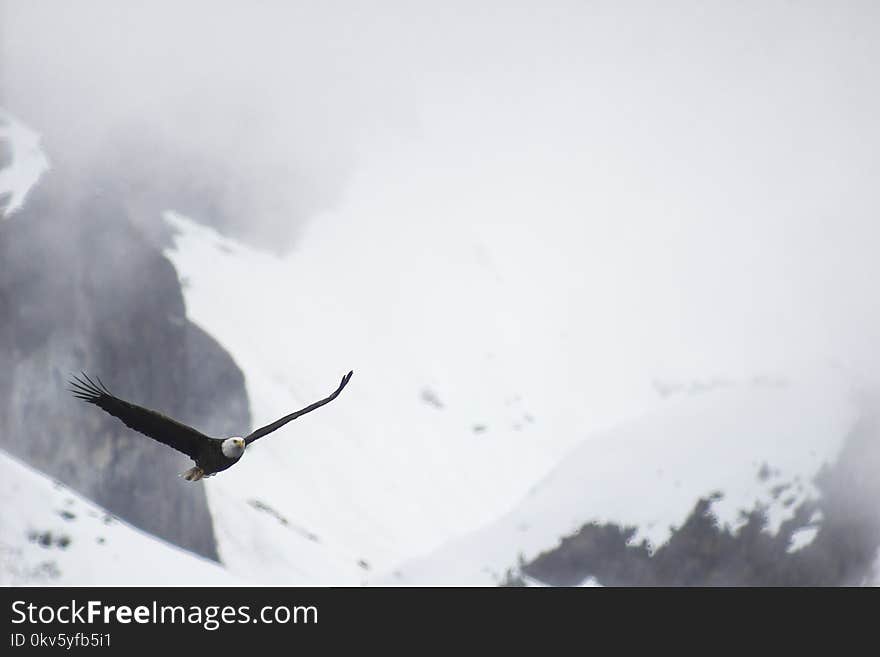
277	424
150	423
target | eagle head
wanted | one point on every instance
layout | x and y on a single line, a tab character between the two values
233	447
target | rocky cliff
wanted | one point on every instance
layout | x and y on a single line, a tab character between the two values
82	287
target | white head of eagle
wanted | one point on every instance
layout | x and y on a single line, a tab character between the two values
233	447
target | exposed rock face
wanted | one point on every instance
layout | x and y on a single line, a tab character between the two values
81	288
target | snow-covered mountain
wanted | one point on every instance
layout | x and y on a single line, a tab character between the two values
467	442
589	266
50	535
402	474
399	463
747	447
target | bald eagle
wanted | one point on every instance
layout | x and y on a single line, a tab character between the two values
211	455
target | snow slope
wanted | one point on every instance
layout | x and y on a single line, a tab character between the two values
461	404
51	535
447	422
383	473
746	443
488	352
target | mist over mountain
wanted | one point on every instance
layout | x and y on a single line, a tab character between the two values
605	273
249	118
81	288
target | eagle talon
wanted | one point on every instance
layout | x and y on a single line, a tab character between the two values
193	474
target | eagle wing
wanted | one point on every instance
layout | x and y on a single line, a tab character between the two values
277	424
150	423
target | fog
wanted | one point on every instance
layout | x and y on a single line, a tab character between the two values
665	194
717	163
265	103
